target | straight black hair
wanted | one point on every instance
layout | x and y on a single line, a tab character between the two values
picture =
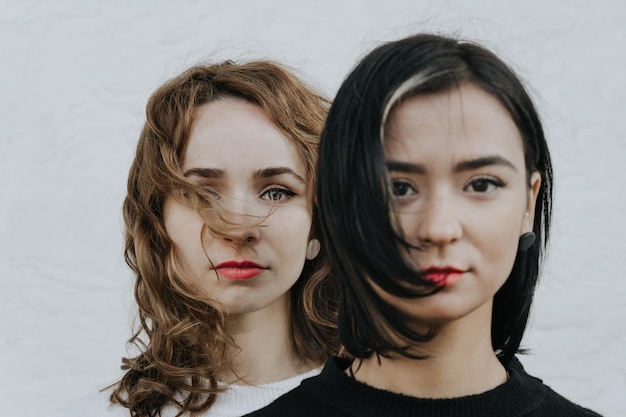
357	214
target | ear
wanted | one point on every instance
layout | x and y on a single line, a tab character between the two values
313	249
533	192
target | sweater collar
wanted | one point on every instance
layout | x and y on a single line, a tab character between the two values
516	397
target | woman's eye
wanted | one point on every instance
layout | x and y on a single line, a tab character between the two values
484	185
277	194
402	188
214	194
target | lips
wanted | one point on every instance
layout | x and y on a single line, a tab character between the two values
239	271
442	276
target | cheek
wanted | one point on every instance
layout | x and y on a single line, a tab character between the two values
497	242
183	226
289	233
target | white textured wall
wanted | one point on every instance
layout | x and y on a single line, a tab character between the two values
74	79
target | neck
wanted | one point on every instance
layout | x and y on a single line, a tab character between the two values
264	351
460	362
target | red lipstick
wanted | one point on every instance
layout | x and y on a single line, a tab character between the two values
442	276
239	270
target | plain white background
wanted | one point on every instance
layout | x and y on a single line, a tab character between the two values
74	79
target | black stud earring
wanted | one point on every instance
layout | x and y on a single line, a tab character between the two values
526	241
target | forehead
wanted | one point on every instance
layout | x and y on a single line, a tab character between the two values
459	122
234	134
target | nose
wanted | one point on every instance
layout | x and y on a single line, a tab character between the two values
438	223
242	233
241	222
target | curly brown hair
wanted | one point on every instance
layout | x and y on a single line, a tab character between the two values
180	335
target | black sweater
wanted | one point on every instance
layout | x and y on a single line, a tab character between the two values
334	394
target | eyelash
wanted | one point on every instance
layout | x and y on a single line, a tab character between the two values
402	183
214	194
407	186
490	181
284	191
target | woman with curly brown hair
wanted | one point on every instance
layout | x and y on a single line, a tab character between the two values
235	302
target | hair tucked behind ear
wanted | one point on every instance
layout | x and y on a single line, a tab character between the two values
180	337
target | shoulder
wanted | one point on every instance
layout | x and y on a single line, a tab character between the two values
557	405
549	402
316	396
98	405
299	402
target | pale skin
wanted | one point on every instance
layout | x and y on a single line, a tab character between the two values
250	167
456	163
265	353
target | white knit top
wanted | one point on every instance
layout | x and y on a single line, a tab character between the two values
236	401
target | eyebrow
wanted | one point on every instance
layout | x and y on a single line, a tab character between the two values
468	165
205	172
261	173
274	171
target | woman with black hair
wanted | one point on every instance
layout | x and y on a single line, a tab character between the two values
435	189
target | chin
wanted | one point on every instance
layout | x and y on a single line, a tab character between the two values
242	306
440	315
237	309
